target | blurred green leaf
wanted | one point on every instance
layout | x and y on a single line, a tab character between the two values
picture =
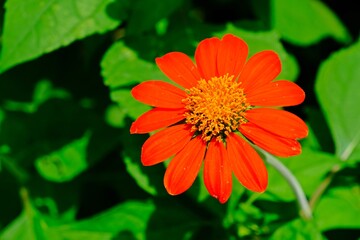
310	167
44	90
150	179
142	18
306	22
128	104
59	153
22	228
259	41
38	133
115	223
115	116
132	220
33	28
121	66
339	208
142	179
29	225
337	88
311	142
65	163
297	230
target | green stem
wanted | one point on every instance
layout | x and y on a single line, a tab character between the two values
21	175
344	156
293	182
323	186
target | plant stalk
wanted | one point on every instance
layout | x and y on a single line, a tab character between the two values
293	182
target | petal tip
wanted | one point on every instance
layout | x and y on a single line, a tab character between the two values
259	188
223	200
133	128
171	191
145	161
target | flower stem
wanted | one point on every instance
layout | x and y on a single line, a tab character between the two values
293	182
323	186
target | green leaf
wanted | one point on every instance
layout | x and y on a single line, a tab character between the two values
135	169
65	163
115	116
44	90
132	220
28	225
337	89
306	22
339	208
311	142
310	167
115	223
297	230
121	66
142	19
131	107
259	41
150	179
33	28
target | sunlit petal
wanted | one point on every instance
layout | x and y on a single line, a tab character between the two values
157	118
246	163
279	93
179	68
206	57
274	144
159	94
217	171
165	144
261	69
279	122
232	55
184	167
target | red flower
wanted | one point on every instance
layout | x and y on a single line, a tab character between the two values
218	98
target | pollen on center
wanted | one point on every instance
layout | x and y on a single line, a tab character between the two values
216	107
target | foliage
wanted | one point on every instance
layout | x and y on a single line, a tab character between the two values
69	169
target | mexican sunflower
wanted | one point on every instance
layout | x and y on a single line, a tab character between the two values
221	103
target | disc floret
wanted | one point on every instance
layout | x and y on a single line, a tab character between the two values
216	107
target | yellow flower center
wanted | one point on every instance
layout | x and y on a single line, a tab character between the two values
216	107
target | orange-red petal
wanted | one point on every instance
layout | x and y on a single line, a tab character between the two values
157	118
206	57
159	94
279	122
261	69
165	144
274	144
246	163
279	93
179	68
184	167
217	171
232	55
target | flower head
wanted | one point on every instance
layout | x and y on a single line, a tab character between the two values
222	102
